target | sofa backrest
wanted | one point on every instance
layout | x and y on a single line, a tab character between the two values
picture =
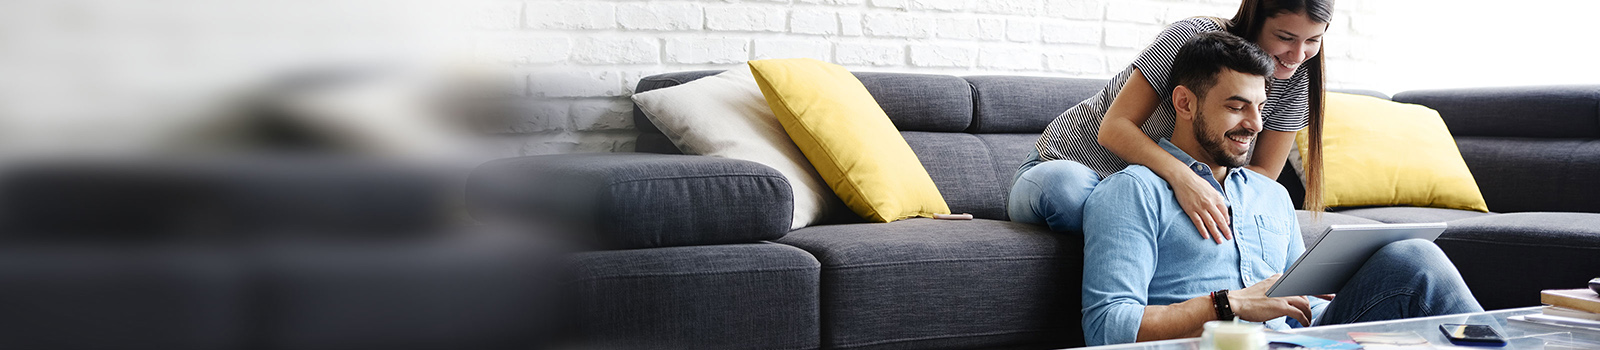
969	133
1530	148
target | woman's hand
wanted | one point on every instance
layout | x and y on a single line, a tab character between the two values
1252	304
1204	205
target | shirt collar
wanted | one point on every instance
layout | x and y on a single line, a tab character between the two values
1199	168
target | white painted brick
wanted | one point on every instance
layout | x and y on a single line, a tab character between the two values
889	25
526	117
1118	60
1364	25
850	24
602	114
1072	32
571	15
1010	7
991	29
1075	62
817	49
1135	12
746	18
698	50
894	4
810	21
496	15
922	27
630	79
1130	36
660	16
832	2
962	28
1075	9
867	54
943	56
1009	58
514	50
575	83
539	148
941	5
1022	30
1179	12
617	50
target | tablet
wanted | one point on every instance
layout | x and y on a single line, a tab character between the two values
1330	261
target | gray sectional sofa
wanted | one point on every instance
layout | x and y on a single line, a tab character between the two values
695	252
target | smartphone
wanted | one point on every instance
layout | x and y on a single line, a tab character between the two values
1472	334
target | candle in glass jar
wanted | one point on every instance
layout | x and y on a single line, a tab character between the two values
1223	335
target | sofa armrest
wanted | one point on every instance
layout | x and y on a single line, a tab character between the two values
636	200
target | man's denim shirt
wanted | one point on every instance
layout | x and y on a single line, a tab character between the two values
1140	248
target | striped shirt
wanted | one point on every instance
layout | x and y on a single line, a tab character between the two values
1071	135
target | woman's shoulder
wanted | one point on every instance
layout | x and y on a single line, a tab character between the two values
1199	24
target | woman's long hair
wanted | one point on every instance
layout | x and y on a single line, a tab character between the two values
1247	24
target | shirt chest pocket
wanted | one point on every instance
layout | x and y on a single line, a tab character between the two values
1274	235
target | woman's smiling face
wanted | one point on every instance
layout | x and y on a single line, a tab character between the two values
1291	39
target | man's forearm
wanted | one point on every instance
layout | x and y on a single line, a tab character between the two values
1181	320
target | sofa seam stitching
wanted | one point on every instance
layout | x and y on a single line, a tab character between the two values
621	277
1469	240
1023	258
681	177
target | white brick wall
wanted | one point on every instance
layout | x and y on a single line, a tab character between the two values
583	57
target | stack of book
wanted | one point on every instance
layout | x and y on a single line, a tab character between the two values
1568	307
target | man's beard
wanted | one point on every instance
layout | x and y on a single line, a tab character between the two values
1212	143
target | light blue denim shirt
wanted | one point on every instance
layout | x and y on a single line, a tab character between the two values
1141	249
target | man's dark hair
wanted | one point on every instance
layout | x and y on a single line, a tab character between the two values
1199	61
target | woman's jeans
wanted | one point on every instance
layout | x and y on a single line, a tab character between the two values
1051	193
1405	279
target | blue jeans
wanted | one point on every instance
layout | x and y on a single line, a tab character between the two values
1405	279
1051	193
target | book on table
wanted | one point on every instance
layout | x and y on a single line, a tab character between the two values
1581	299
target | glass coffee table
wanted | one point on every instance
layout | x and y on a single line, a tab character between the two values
1519	335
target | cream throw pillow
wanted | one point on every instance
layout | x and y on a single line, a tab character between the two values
726	116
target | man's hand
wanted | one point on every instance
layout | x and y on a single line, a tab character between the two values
1252	304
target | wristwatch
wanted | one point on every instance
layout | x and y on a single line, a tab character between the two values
1219	301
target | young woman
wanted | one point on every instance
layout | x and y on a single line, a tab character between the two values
1119	125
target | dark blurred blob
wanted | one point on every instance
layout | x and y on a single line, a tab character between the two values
264	252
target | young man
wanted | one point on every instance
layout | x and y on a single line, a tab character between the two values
1148	275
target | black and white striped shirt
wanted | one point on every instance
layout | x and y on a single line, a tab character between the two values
1071	135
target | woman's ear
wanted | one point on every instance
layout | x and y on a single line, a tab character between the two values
1184	102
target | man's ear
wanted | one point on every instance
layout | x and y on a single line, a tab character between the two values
1184	102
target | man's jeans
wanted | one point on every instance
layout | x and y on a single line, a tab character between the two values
1405	279
1051	193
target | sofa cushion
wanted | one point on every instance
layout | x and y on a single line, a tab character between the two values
636	200
125	297
1506	259
960	166
461	290
725	116
921	102
740	296
1362	168
1406	215
1018	104
834	120
1506	169
926	284
1534	111
1009	151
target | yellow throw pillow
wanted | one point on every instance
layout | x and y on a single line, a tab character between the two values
845	134
1377	152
